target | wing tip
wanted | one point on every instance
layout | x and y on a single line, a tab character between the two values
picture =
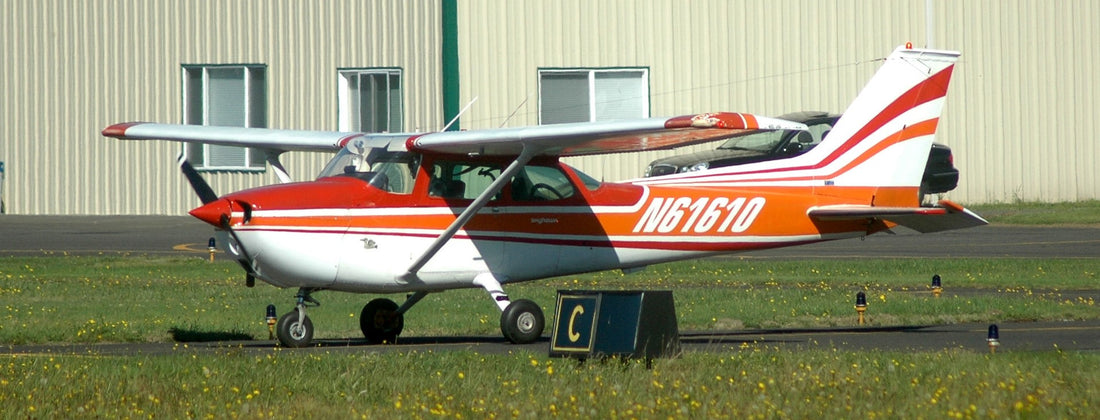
118	131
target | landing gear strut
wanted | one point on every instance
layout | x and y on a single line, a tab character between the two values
294	329
521	321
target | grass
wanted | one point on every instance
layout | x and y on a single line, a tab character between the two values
129	299
140	299
756	382
1080	213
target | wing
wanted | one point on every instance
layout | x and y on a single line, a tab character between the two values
946	216
578	139
575	140
271	140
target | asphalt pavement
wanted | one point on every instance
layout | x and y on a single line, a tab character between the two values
181	235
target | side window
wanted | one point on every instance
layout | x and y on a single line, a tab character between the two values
370	100
541	183
461	180
225	95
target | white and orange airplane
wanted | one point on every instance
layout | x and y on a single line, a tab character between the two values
427	212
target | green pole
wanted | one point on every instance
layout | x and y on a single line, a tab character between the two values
450	62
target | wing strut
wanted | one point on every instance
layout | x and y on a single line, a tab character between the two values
528	153
272	158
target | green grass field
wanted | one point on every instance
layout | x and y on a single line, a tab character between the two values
68	299
1080	213
757	382
137	299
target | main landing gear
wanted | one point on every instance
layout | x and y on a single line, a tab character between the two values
382	320
521	321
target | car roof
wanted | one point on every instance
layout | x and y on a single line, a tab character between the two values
804	116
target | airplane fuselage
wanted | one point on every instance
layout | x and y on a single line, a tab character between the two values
351	236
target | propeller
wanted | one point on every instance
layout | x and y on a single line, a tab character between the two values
202	189
210	213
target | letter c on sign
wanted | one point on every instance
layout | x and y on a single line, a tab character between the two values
574	336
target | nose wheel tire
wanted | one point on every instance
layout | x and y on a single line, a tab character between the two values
291	332
380	322
522	322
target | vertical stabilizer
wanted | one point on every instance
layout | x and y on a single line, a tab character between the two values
884	137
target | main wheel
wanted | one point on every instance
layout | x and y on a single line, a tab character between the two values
380	321
522	322
292	333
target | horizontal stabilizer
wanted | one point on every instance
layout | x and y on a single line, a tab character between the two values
945	216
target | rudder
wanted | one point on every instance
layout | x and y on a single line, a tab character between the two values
884	137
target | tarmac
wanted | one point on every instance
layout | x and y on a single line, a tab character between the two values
179	235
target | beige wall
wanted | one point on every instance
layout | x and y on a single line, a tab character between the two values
70	68
1021	114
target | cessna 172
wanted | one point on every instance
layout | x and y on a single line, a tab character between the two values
427	212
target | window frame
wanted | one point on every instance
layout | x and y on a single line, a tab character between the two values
593	92
344	106
255	114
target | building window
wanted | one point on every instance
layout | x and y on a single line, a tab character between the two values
370	100
225	95
582	95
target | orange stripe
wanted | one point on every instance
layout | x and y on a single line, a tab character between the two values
750	121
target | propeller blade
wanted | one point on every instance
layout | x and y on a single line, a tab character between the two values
202	189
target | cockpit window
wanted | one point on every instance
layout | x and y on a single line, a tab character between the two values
462	180
541	183
388	171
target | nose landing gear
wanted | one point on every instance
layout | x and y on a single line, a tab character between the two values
294	329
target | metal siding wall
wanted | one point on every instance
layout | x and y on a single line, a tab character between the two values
764	57
1025	117
1020	114
72	68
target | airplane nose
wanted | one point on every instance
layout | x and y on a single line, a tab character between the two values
213	212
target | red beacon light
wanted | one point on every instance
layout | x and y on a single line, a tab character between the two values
909	45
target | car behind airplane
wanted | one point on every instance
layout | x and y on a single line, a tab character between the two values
940	174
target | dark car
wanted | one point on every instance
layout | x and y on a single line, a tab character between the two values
940	175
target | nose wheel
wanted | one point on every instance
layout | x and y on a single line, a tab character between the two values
294	329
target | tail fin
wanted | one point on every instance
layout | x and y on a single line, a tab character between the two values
884	137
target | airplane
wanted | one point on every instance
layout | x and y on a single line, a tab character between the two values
419	213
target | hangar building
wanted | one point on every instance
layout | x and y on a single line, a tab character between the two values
1020	116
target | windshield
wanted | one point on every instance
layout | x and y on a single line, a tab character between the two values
760	142
388	171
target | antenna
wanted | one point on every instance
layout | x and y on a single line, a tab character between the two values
463	111
514	111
